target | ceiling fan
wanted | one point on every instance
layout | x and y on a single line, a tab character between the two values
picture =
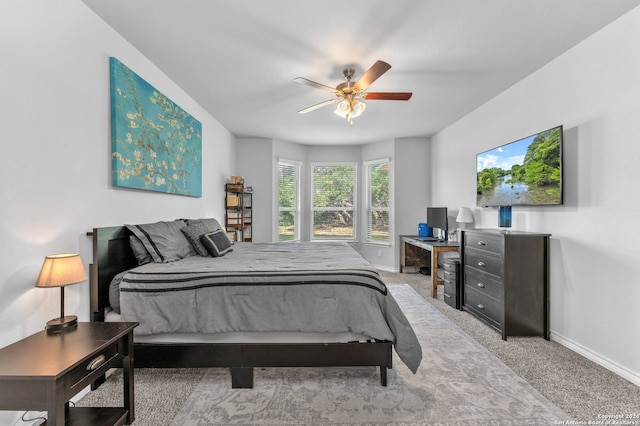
348	94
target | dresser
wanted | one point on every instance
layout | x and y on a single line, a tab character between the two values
505	280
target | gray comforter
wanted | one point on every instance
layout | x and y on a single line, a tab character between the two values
306	287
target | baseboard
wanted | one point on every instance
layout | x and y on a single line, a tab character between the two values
385	268
616	368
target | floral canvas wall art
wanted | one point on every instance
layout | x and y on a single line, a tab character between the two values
155	144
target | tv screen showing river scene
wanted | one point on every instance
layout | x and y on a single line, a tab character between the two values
524	172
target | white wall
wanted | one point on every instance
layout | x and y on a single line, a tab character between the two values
594	91
55	182
252	163
412	187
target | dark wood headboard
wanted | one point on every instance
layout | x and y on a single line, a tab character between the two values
112	254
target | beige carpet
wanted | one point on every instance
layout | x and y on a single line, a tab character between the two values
458	383
583	389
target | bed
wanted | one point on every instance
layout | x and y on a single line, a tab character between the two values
256	305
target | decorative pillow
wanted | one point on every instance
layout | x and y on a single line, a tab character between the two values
217	243
139	251
213	224
193	232
163	240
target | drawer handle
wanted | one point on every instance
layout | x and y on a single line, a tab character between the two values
480	306
482	264
482	243
480	285
97	362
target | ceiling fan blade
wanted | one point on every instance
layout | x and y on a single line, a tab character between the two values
379	68
316	106
387	96
307	82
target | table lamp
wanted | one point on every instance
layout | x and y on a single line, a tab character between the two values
464	216
60	270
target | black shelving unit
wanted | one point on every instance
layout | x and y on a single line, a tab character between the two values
238	212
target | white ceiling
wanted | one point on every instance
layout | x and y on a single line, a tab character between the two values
238	58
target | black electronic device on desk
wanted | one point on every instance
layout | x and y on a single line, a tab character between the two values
437	219
431	239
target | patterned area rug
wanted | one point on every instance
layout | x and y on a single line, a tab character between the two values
458	383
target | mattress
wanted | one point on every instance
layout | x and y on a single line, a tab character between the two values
267	288
244	336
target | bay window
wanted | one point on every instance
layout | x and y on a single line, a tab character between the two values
333	206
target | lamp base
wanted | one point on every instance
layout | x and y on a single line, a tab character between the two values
58	325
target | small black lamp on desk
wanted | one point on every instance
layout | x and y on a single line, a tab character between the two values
60	270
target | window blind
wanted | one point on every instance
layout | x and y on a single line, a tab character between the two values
288	200
378	195
333	201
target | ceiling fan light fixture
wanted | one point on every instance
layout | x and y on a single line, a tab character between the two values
350	109
348	93
357	108
343	108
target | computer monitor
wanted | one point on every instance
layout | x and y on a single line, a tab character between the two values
437	218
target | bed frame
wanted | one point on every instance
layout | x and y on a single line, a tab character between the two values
112	254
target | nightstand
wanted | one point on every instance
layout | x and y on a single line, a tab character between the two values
43	371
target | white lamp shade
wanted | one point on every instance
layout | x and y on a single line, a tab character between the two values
464	215
357	108
59	270
350	108
343	108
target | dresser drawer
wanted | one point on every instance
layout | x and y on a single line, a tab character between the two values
483	262
450	295
486	242
92	364
450	286
483	306
483	283
450	265
449	275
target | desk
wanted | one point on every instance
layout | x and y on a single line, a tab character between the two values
43	371
435	248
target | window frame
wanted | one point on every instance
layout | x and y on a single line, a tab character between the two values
354	210
369	208
296	209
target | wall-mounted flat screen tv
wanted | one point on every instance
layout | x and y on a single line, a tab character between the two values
523	172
